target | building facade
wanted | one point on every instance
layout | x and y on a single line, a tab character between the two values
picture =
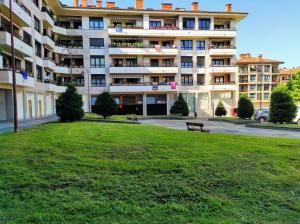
257	77
144	57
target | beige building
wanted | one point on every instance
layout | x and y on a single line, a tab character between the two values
257	77
287	74
144	57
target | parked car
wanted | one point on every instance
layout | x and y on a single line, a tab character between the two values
297	118
261	115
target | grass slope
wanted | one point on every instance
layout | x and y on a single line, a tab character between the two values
107	173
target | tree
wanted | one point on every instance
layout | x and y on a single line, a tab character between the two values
220	110
245	107
69	105
105	105
294	88
180	107
282	108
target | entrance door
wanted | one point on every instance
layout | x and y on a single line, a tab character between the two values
156	105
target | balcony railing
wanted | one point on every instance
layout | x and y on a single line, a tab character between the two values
18	36
223	83
243	81
225	65
164	28
68	45
144	65
222	47
45	9
23	7
125	27
18	70
142	84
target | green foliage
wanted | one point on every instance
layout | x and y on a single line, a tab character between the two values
180	107
294	88
282	108
220	110
105	105
69	105
89	172
245	107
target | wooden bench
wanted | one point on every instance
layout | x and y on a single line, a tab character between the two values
191	126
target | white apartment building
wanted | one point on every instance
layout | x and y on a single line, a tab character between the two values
144	57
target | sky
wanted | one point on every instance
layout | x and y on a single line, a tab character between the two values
272	27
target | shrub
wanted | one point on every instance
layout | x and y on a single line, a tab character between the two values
180	107
245	107
282	108
220	110
69	105
105	105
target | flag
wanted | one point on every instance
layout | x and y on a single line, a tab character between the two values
24	75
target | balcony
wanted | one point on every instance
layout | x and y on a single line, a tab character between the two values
65	69
228	68
49	87
47	17
49	64
22	46
146	50
73	49
224	86
6	77
142	87
171	32
143	69
226	50
47	41
21	15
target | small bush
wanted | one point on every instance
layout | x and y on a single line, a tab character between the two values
180	107
220	110
245	107
282	108
105	105
69	105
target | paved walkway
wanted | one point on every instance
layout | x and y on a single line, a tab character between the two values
7	127
225	128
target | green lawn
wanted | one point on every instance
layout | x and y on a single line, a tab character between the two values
111	173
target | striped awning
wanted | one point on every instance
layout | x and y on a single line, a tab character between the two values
160	56
124	56
67	18
126	76
126	17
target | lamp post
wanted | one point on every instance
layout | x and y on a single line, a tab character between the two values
89	94
13	67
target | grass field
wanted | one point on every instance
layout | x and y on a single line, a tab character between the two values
111	173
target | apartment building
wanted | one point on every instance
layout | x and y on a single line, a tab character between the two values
144	57
257	77
287	74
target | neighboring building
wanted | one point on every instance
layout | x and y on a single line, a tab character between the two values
144	57
257	77
287	74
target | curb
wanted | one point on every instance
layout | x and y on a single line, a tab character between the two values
272	127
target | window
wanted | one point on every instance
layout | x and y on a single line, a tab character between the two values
227	95
168	79
253	68
218	62
266	96
204	24
267	77
39	73
37	25
186	45
252	96
266	87
28	66
200	45
252	87
97	62
96	43
38	49
200	79
27	38
242	70
154	24
219	79
154	62
200	62
252	78
187	62
187	80
259	68
98	80
96	23
188	23
190	100
267	68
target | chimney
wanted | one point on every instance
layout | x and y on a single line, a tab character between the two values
228	7
75	3
139	4
166	6
245	56
84	3
259	57
110	5
195	6
99	3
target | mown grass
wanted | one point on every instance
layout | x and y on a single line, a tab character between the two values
111	173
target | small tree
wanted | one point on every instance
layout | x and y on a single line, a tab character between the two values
105	105
180	107
282	108
69	105
220	110
245	107
294	88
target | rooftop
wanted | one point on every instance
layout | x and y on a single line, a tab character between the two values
287	71
248	59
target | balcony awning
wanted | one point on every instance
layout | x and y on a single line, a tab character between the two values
160	56
71	18
126	76
124	56
126	38
126	17
220	39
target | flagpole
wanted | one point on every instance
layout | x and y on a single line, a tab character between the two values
13	67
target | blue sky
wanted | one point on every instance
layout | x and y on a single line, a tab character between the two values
272	27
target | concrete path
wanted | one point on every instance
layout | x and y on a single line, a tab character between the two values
225	128
7	127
